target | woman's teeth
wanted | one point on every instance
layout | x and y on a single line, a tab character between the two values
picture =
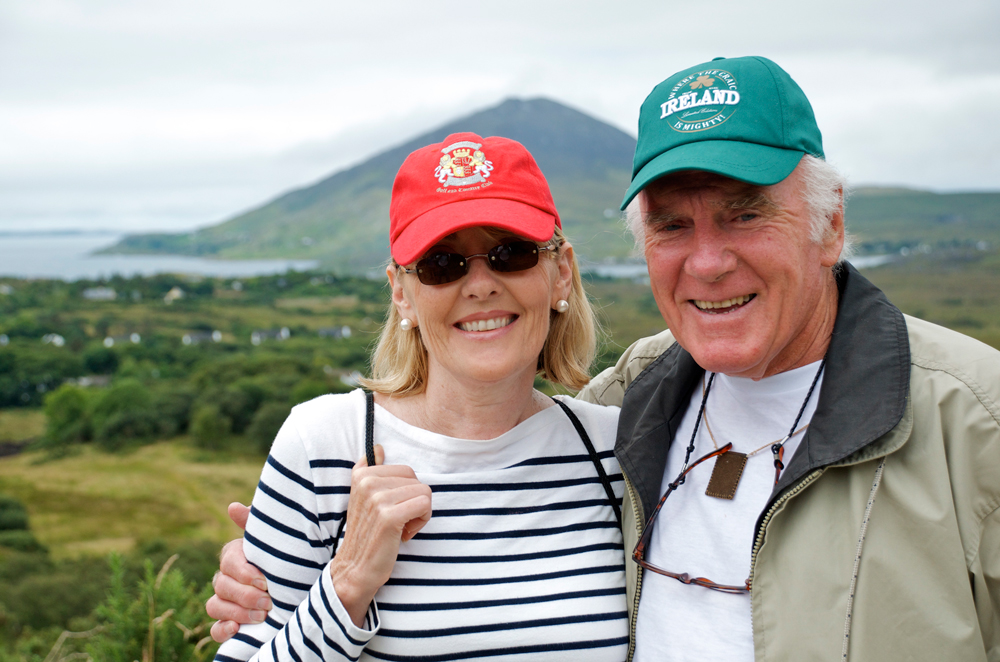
728	303
486	325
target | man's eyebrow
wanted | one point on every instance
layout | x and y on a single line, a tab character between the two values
659	217
752	200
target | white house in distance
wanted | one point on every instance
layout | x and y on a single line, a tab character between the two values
100	294
174	294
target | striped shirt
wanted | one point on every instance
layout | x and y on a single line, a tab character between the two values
522	558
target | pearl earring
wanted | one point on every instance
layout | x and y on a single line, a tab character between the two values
562	306
405	324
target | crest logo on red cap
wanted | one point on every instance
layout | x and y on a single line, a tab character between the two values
463	164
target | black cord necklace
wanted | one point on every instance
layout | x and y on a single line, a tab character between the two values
729	465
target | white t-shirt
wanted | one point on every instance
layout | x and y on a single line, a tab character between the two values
711	537
522	558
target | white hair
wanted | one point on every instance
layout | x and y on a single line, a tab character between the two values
824	192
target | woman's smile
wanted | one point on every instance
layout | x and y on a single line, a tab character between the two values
487	324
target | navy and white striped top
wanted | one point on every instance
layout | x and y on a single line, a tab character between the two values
522	557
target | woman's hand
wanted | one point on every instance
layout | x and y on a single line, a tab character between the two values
240	588
388	505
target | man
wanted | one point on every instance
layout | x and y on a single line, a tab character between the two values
810	474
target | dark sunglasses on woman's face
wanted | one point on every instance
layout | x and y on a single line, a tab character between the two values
441	268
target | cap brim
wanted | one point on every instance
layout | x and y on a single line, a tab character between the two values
753	163
429	228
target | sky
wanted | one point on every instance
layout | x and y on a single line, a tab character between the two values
125	115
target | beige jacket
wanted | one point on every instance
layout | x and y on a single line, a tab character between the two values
882	540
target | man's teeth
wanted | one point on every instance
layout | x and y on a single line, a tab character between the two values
710	305
486	325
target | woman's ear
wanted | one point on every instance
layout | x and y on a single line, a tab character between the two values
399	298
563	285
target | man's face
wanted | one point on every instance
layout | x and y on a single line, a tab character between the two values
736	275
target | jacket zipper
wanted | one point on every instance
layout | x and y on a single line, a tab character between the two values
636	505
759	541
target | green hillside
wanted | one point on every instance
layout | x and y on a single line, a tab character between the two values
342	221
888	219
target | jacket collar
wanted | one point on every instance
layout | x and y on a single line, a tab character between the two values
864	393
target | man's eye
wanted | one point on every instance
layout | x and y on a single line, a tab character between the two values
747	216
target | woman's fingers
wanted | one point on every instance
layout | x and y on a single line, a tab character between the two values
387	505
422	515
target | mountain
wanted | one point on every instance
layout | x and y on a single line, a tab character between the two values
343	220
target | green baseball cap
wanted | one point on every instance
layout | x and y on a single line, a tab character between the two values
743	118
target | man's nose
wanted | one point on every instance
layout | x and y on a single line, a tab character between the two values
711	256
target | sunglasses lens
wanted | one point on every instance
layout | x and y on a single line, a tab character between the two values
513	256
441	268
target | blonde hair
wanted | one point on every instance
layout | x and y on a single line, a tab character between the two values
399	362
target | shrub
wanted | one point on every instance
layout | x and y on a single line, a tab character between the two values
173	409
101	360
309	389
265	425
21	540
210	427
14	533
236	404
123	413
66	417
123	427
166	621
13	514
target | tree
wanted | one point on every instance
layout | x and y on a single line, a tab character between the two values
67	420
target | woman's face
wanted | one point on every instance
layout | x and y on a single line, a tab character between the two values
486	327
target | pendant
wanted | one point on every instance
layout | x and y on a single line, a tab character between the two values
726	475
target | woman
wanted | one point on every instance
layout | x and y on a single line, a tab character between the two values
520	555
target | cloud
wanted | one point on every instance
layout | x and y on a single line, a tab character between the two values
253	97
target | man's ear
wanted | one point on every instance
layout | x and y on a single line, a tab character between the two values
833	236
399	299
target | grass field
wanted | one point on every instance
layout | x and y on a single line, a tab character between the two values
21	424
956	289
94	502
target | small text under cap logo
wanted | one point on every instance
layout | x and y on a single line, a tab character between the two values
463	164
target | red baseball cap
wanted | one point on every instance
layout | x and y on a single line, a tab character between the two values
467	181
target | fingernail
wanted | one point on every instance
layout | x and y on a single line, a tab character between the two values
257	616
259	583
231	628
264	603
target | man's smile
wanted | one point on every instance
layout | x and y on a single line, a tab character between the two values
725	306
